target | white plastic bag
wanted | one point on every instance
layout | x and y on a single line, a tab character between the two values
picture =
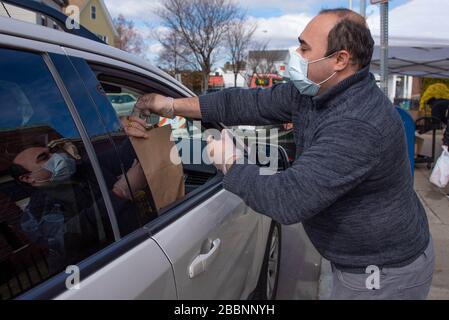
440	173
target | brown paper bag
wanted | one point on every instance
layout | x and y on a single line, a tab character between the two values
165	178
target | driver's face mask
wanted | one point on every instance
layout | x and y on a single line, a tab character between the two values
298	68
62	167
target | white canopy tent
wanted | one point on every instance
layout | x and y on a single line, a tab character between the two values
415	57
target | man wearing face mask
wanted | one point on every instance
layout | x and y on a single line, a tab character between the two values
59	184
350	184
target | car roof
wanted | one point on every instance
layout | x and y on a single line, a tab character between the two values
36	32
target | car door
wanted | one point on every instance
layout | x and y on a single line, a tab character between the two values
43	108
215	243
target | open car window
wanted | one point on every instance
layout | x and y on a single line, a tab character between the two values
188	134
107	92
123	99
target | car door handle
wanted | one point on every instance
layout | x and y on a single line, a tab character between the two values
201	262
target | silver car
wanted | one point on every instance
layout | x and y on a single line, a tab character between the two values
78	239
123	103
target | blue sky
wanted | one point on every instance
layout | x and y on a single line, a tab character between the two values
312	7
281	21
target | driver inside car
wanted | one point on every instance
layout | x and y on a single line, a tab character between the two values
66	202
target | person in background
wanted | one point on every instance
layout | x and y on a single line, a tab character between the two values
440	108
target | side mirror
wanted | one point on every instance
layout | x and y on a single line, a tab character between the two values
271	156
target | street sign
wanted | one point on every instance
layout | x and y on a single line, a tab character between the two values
378	1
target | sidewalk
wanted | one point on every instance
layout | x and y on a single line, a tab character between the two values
437	208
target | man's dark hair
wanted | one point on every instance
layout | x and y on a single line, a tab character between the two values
351	33
16	170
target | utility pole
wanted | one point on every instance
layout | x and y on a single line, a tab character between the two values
383	44
363	8
350	4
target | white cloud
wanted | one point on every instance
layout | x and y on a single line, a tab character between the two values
133	9
283	5
417	19
281	32
144	8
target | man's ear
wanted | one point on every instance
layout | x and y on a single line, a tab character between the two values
26	178
343	60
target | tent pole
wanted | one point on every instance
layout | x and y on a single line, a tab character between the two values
384	46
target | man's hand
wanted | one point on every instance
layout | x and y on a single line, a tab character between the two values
167	107
134	127
155	103
223	152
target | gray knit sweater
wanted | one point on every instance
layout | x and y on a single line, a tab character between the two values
350	184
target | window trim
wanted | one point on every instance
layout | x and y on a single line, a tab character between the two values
177	209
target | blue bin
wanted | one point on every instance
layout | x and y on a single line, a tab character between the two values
410	128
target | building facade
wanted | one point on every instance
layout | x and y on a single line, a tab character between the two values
95	17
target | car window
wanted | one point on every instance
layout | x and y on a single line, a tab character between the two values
187	133
123	176
52	213
183	130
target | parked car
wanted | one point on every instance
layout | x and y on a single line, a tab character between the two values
54	88
123	103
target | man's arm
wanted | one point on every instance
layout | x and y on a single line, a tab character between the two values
230	106
343	155
251	106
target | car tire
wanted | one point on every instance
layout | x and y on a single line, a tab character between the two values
269	275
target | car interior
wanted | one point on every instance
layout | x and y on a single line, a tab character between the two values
183	130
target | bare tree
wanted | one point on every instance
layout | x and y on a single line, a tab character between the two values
175	55
202	25
238	40
129	38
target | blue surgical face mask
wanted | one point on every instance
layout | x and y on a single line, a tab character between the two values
62	167
298	68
